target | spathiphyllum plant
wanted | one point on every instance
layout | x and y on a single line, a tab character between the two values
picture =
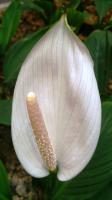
56	114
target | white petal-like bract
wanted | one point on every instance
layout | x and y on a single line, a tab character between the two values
59	70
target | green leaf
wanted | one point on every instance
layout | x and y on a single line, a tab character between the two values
73	4
56	16
10	23
102	6
104	194
98	173
27	4
17	54
4	183
5	112
3	197
100	45
46	5
75	18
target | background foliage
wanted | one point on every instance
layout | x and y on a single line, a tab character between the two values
95	181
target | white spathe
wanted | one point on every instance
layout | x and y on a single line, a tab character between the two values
59	69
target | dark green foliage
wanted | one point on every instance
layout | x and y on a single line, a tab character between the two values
29	5
106	194
76	18
102	7
4	184
17	53
100	46
47	6
10	23
5	112
56	16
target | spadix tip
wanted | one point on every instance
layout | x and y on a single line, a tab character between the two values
31	96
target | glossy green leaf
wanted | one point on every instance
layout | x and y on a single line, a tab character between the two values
4	183
10	23
100	46
98	173
5	112
102	6
104	194
17	53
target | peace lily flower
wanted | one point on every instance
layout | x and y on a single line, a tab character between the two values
56	113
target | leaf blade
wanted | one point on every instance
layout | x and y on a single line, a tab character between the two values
4	183
32	6
102	7
99	44
17	53
10	23
5	112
